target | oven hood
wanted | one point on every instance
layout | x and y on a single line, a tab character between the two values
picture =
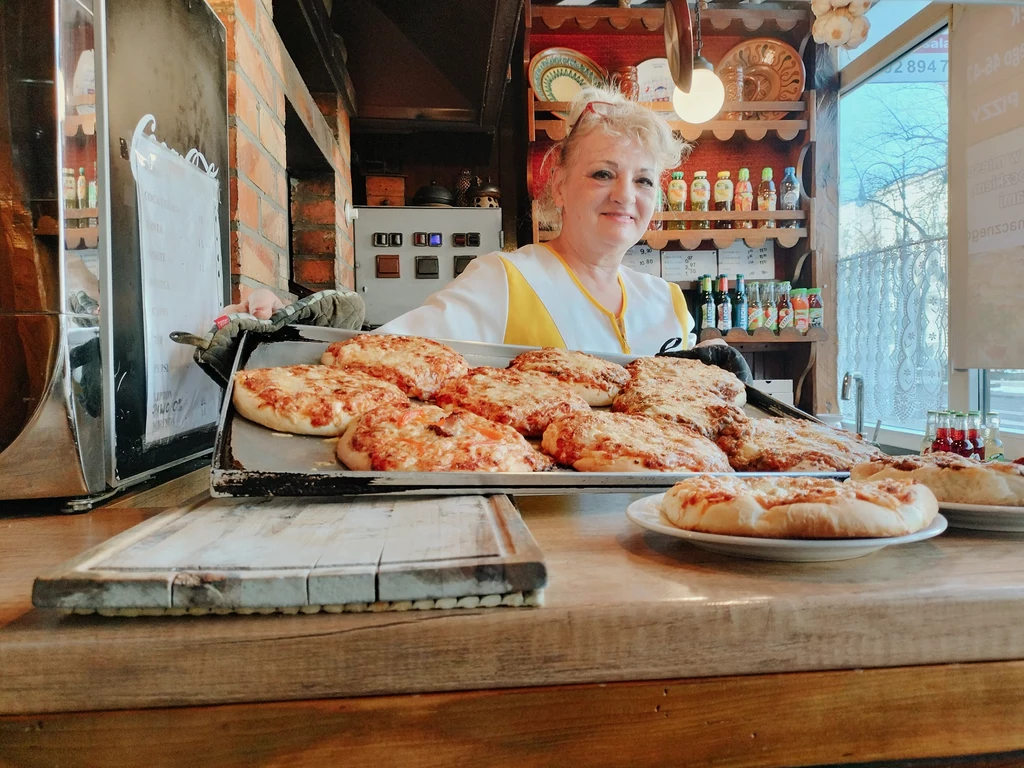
439	65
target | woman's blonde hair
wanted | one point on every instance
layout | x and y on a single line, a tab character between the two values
618	117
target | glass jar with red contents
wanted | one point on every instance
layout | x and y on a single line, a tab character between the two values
959	444
974	434
943	425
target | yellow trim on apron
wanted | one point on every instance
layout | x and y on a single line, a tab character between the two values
679	305
618	321
528	323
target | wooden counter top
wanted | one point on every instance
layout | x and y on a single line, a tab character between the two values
622	604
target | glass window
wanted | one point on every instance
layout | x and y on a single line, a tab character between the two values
885	16
1006	397
892	287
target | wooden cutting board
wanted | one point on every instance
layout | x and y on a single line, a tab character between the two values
303	554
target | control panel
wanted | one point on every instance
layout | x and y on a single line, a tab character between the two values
404	254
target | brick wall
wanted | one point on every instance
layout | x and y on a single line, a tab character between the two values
261	76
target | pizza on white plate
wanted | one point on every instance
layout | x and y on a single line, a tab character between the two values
524	400
798	507
429	439
952	478
309	399
703	397
600	441
792	445
417	366
595	380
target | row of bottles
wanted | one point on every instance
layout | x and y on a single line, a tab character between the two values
770	304
963	434
729	197
79	193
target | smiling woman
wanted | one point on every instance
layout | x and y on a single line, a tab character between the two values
573	292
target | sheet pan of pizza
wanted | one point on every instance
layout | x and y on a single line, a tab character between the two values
251	459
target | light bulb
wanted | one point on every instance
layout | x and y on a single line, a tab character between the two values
706	96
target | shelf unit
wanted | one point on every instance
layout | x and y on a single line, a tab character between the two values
764	336
766	19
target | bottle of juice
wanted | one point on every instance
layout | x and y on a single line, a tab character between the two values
677	198
707	305
974	434
723	305
801	310
771	309
815	309
930	432
766	197
723	197
755	312
744	199
785	307
700	198
740	318
943	438
789	196
993	443
959	443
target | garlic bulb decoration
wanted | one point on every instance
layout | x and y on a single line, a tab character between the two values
837	28
821	7
858	7
818	30
840	3
859	27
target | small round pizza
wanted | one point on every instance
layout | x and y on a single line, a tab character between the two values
429	439
524	400
798	507
952	478
595	380
792	445
703	397
600	441
417	366
309	399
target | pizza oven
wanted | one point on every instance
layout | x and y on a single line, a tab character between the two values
405	254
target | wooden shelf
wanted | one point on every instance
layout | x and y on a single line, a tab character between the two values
764	336
555	127
766	18
691	239
80	213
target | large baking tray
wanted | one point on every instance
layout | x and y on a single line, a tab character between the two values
251	460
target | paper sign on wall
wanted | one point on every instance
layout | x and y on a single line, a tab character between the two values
688	266
643	258
182	282
753	263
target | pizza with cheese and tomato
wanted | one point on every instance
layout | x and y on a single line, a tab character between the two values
703	397
309	399
524	400
952	478
792	445
798	507
595	380
600	441
429	439
417	366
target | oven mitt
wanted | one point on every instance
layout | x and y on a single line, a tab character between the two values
215	353
723	356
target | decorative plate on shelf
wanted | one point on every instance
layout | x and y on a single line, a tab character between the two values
655	80
772	71
558	74
646	514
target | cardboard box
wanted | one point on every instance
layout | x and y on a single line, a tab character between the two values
385	190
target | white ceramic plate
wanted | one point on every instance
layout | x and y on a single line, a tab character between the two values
655	80
984	517
645	513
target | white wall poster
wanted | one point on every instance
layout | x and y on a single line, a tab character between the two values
179	233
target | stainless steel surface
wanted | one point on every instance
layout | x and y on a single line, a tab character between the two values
251	460
855	381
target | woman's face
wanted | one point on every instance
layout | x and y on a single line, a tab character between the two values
607	193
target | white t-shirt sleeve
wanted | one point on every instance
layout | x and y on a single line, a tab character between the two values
473	307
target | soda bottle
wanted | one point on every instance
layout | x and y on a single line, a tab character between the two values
700	198
975	436
723	305
771	309
801	309
723	197
993	443
766	197
755	312
785	307
744	198
943	437
931	425
789	194
707	304
815	309
677	198
959	444
739	304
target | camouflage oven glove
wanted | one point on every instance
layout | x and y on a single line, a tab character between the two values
215	353
723	356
